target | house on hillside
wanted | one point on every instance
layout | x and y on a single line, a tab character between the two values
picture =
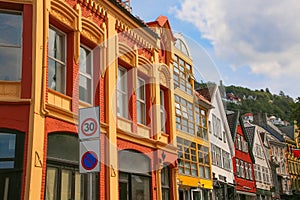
243	160
222	146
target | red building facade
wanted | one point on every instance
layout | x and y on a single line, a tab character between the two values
243	160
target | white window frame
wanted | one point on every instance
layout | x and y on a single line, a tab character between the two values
242	169
122	102
88	76
61	62
237	164
141	113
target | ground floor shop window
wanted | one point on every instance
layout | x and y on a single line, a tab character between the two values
63	180
135	176
11	164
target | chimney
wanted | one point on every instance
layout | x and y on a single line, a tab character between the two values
260	118
125	4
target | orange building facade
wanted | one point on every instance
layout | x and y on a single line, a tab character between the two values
58	56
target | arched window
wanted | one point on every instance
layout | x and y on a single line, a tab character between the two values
135	176
63	179
11	164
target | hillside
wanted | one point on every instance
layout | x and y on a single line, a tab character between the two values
254	101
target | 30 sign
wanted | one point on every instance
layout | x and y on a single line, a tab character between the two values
88	123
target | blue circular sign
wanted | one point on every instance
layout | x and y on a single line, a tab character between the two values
89	160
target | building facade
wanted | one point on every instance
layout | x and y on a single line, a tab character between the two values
262	170
222	146
194	160
60	56
244	159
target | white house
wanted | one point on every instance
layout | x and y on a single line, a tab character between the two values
262	169
222	146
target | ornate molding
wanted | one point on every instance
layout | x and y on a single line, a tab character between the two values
64	13
127	54
91	31
164	75
145	66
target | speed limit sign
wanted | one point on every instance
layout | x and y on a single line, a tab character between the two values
88	124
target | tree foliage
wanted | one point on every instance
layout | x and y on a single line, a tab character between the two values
281	105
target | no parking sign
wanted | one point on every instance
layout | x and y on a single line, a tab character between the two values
89	156
89	137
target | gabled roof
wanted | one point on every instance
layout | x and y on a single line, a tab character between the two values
162	21
233	119
250	132
289	131
248	139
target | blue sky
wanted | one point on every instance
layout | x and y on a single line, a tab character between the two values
245	43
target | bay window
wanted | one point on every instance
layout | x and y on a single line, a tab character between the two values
10	45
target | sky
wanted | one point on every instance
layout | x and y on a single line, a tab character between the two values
253	44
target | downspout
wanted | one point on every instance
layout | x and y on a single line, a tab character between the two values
44	111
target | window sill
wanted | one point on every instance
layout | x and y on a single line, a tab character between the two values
143	130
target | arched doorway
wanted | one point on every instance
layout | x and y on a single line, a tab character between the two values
134	176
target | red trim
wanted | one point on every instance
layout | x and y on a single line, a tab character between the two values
27	52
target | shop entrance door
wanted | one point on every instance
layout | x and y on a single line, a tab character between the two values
196	194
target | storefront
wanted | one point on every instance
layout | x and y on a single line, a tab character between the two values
134	176
63	180
11	163
223	190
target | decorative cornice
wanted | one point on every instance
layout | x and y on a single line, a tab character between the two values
95	6
133	34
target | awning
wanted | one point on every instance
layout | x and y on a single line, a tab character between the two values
263	192
246	193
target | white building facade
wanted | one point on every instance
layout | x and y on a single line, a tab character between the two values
222	148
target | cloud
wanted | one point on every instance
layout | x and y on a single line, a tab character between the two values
262	35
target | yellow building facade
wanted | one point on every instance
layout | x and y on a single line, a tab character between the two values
191	109
76	54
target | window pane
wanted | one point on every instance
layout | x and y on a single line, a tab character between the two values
140	187
66	184
7	145
6	164
51	184
85	60
10	63
56	76
10	28
141	89
65	147
85	85
56	45
79	186
141	112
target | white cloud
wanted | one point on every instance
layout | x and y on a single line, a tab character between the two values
264	35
